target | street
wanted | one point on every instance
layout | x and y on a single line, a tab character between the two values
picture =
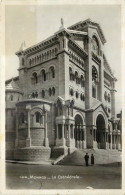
23	176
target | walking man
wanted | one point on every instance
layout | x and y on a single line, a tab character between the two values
86	157
92	159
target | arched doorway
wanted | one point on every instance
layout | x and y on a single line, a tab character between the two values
100	134
78	131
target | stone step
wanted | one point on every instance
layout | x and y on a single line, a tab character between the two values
101	157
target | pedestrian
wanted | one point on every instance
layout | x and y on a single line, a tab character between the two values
92	159
86	157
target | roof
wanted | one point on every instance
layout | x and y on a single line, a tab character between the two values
82	24
12	86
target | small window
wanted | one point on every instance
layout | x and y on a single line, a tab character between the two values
43	75
33	95
11	97
77	95
35	77
37	117
109	98
94	92
53	91
52	72
50	92
43	93
83	97
109	110
36	95
71	92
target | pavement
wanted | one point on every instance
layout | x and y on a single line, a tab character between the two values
34	176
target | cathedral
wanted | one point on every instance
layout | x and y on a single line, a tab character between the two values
64	97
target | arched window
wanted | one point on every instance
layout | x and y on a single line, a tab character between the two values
93	92
82	81
109	110
76	77
105	96
53	90
108	97
50	92
37	117
71	92
33	95
11	97
52	72
36	94
35	77
83	97
43	93
95	45
70	74
77	95
43	75
94	74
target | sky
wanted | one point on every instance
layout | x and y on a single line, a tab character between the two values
34	23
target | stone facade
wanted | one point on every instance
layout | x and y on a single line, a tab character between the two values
63	98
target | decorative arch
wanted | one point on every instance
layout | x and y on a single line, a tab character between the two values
96	44
81	115
43	74
51	72
103	114
35	77
36	109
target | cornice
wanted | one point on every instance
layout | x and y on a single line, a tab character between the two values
75	47
96	58
82	24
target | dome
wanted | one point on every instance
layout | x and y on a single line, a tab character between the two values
12	86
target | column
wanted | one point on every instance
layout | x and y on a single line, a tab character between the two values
114	142
45	125
111	141
73	131
57	131
69	131
63	139
84	132
17	122
95	134
28	140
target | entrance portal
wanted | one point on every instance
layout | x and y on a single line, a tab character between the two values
100	134
79	132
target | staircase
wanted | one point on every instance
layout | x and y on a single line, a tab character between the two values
101	157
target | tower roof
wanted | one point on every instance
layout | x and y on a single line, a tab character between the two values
12	86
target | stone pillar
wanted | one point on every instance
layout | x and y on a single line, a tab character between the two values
46	141
28	140
101	83
69	131
113	101
17	124
73	131
111	141
63	139
57	131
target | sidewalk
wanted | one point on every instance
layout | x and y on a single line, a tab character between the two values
49	162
